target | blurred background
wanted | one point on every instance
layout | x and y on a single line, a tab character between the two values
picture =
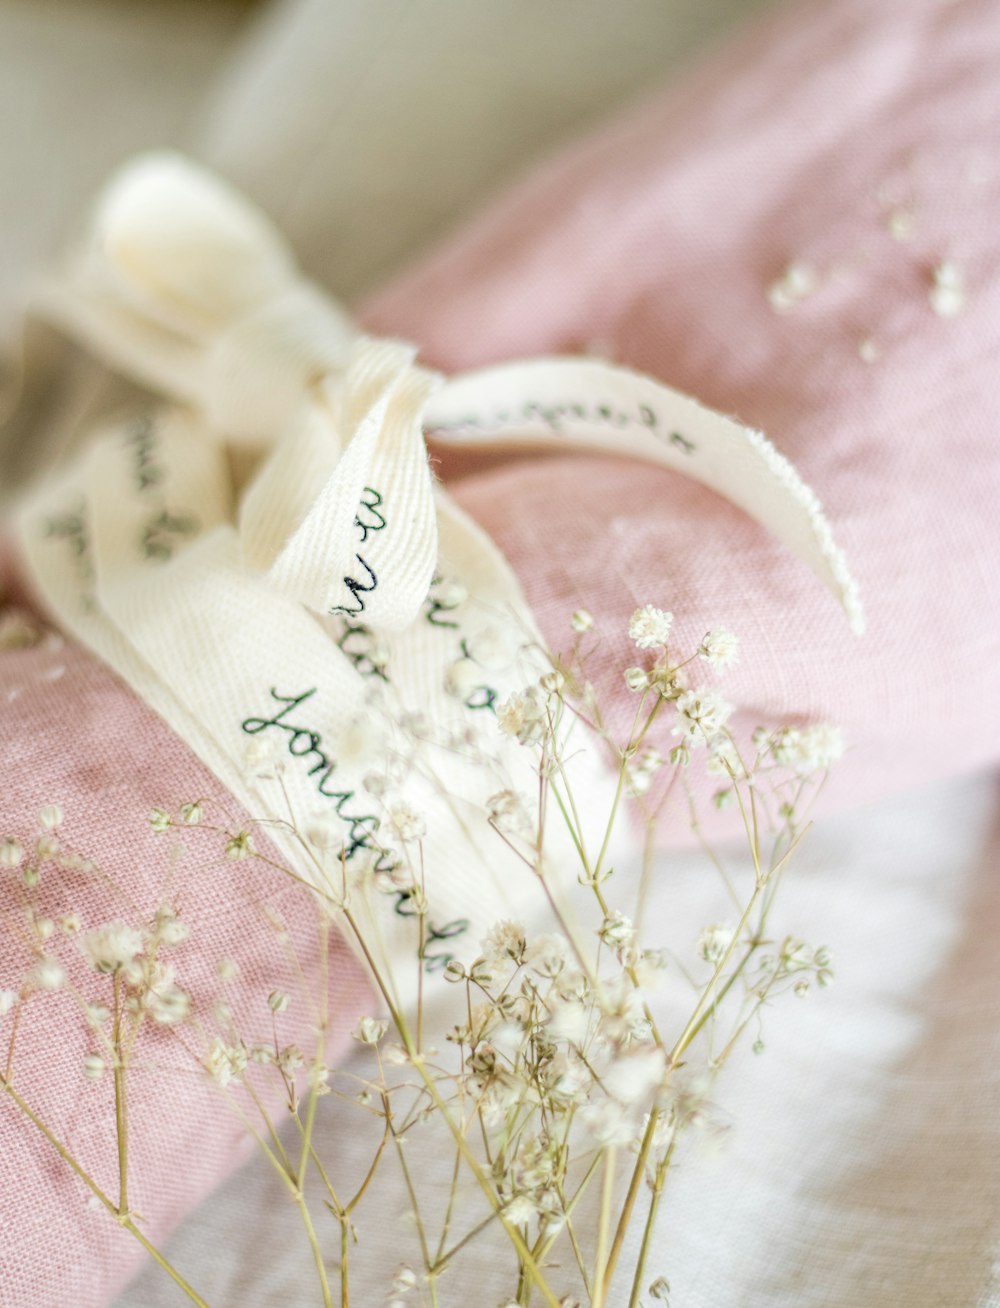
368	127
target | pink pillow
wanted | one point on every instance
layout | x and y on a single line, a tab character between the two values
71	734
856	143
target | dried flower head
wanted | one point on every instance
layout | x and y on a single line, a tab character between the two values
522	715
112	946
50	817
720	648
649	627
405	823
808	749
11	852
701	715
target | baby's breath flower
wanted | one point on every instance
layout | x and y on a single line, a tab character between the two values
291	1059
701	715
11	852
617	932
170	1006
808	749
504	943
159	820
719	648
522	715
46	846
171	930
278	1001
552	682
225	1063
97	1015
50	817
317	1078
642	769
48	973
191	814
636	679
8	998
111	946
650	626
582	620
947	294
723	759
240	846
568	1021
227	968
547	955
405	1280
660	1289
714	941
93	1067
370	1030
668	681
798	280
519	1210
405	823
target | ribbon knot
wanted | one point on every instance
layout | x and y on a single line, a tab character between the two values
338	581
186	287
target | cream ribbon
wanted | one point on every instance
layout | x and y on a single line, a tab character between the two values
337	593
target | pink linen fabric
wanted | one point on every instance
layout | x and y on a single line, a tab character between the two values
72	734
861	141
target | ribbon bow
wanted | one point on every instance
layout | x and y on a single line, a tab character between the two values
187	288
339	588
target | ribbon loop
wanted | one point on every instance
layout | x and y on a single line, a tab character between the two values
188	288
260	369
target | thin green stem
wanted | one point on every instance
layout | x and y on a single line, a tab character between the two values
647	1235
121	1109
124	1221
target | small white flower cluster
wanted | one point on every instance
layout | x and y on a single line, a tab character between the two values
226	1062
642	769
714	941
545	1036
650	627
509	813
111	947
719	648
370	1030
800	963
523	715
796	282
805	750
702	716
